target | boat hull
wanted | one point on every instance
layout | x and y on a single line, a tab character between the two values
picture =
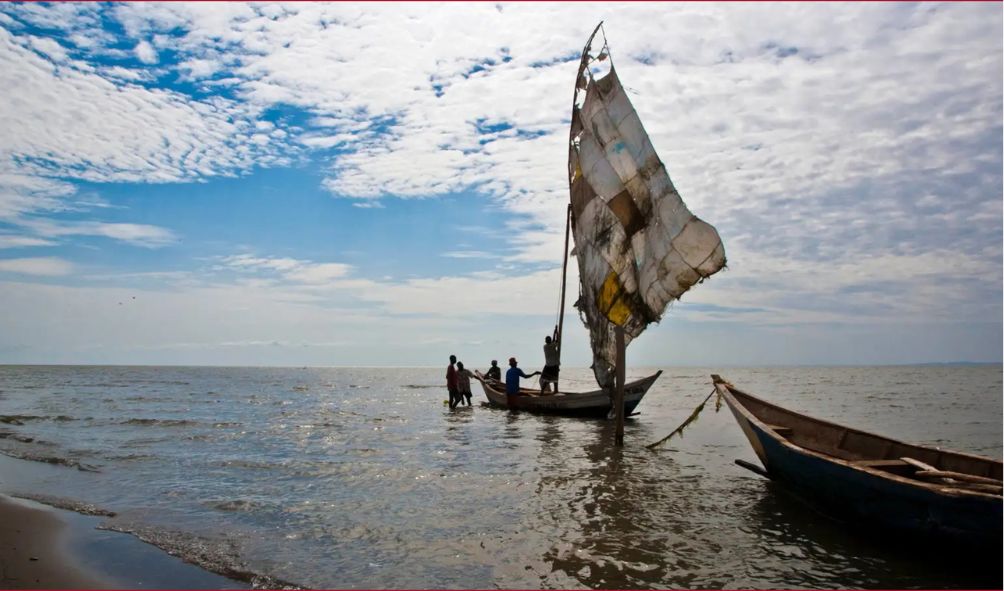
596	403
854	487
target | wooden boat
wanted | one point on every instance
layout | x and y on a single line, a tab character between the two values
597	403
870	478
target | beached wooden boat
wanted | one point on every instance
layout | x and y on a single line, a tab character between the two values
873	479
597	403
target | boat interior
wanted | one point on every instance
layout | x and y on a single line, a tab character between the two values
925	464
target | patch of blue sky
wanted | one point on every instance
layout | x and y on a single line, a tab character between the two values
648	58
782	51
489	132
484	127
487	64
286	213
561	59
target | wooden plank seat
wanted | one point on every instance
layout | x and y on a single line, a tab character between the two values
879	463
780	430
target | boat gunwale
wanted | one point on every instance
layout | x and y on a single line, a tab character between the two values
532	393
728	391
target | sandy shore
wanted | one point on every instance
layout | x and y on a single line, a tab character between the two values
33	553
43	547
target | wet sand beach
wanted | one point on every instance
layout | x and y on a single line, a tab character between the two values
43	547
33	553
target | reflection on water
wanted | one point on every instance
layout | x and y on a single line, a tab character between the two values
361	477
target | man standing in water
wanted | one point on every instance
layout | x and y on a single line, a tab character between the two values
512	376
464	383
452	383
552	359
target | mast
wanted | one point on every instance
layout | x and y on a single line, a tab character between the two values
564	274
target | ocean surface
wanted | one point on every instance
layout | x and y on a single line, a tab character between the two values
362	477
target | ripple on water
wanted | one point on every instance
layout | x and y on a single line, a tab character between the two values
303	489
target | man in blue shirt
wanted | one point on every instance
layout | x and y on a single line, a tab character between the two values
512	376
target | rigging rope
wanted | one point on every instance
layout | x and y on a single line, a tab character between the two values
693	417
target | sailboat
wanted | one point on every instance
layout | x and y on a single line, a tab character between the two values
637	245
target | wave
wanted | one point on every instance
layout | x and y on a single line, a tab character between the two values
234	505
16	437
131	457
21	419
159	422
422	386
220	557
18	419
241	463
56	460
68	504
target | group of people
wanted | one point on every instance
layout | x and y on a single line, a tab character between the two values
458	379
458	383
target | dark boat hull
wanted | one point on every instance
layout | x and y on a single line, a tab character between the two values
853	488
594	404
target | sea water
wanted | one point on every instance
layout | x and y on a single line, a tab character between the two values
363	477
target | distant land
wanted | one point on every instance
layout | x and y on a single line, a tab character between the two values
958	363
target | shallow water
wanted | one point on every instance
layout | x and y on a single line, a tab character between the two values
361	477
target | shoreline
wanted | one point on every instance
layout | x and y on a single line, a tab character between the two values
45	547
33	550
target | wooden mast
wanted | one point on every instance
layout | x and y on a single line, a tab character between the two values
619	393
564	274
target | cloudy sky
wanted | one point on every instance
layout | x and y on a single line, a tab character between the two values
384	184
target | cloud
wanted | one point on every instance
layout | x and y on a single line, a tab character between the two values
145	52
789	114
469	254
44	266
21	193
72	122
136	234
369	205
850	162
294	270
197	69
14	241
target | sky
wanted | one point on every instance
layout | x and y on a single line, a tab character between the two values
384	184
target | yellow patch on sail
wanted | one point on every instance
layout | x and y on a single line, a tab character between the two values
611	301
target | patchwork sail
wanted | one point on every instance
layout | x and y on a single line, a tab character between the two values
638	246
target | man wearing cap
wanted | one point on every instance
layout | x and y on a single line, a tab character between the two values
512	376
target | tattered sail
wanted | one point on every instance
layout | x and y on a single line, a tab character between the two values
637	244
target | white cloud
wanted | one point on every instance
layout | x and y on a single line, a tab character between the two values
145	52
136	234
72	122
369	205
290	269
44	266
469	254
14	241
21	193
201	68
318	273
48	47
747	105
